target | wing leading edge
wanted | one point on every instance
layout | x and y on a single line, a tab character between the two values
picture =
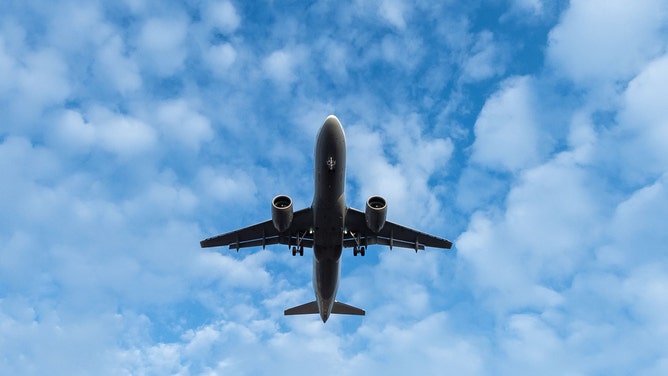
264	233
392	235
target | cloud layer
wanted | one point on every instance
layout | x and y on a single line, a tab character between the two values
533	134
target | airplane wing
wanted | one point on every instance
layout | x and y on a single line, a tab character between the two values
263	234
392	235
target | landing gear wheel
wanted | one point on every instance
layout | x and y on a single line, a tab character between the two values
359	251
298	250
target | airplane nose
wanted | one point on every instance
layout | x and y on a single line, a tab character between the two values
332	127
332	120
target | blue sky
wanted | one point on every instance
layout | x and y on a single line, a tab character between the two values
533	133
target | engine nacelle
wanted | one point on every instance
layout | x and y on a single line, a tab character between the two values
375	213
281	212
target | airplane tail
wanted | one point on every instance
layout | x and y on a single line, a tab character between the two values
312	307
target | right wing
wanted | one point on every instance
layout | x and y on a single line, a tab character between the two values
391	234
263	234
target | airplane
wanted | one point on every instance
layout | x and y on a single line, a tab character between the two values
328	226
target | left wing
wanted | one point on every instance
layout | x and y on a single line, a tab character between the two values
391	234
263	234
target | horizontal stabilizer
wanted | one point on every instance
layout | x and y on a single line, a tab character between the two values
312	308
304	309
345	309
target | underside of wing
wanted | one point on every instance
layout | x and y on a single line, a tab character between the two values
264	233
392	235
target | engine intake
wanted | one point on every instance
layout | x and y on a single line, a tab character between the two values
375	213
281	212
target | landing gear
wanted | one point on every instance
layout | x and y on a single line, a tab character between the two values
298	250
359	251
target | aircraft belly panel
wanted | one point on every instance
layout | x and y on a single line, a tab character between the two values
326	278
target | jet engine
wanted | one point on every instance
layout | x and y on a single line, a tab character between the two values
375	213
281	212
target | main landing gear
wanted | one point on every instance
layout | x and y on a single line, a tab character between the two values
359	251
298	250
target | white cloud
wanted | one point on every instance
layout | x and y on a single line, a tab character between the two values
55	340
220	58
550	221
645	292
535	340
394	12
392	349
165	200
560	244
403	182
118	69
74	26
643	122
227	185
247	272
637	232
243	348
582	138
222	16
503	274
554	201
161	45
394	49
42	80
507	135
486	61
533	7
281	65
122	135
73	133
182	125
606	41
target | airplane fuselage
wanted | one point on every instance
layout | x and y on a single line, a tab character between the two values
329	210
